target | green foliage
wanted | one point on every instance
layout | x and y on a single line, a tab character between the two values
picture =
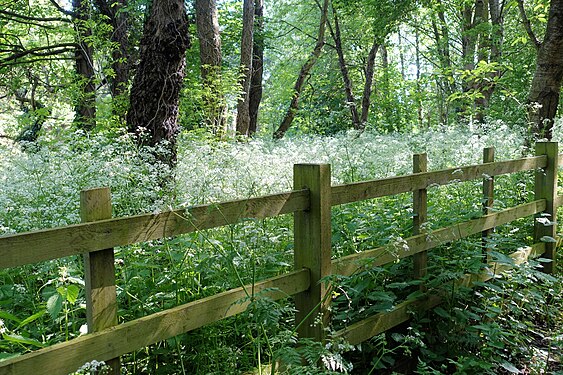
153	276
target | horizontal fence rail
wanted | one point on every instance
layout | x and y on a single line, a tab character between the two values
26	248
365	329
310	203
426	241
68	356
395	185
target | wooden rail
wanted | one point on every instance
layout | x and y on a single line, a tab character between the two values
68	356
20	249
310	202
390	186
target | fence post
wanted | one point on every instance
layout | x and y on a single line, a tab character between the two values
99	270
420	215
546	188
488	199
312	232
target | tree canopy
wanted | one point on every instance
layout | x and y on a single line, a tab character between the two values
393	65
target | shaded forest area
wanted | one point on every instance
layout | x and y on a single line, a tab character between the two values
155	68
175	103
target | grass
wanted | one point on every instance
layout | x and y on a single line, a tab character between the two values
486	330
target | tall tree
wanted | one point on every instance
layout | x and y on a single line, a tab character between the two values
118	17
257	66
210	58
368	86
303	74
85	107
348	90
543	98
154	99
243	109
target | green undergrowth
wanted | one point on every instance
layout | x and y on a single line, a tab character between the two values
511	324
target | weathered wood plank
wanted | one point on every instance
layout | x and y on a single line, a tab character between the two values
545	187
422	242
99	270
33	247
112	342
312	232
488	197
420	215
342	194
519	256
379	323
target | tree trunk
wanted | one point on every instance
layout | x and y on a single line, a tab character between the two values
153	112
350	100
257	66
211	59
85	106
120	55
545	89
487	87
443	83
418	85
243	109
368	85
118	18
303	74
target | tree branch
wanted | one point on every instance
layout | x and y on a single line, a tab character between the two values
18	62
528	25
39	51
62	10
36	19
104	8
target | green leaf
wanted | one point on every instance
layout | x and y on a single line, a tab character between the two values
7	316
22	340
31	318
441	312
548	239
501	258
72	293
510	368
55	305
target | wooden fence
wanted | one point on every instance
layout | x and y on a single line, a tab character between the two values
310	202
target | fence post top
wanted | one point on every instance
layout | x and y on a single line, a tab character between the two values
91	190
311	164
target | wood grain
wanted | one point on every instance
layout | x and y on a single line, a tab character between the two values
33	247
545	187
420	215
422	242
99	271
342	194
63	358
312	231
379	323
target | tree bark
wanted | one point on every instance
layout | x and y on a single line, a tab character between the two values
303	74
348	90
243	109
85	106
210	57
118	18
257	66
545	89
368	85
153	112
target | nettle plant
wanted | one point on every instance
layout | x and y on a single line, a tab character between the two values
41	190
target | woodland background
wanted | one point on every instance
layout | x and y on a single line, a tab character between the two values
176	103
